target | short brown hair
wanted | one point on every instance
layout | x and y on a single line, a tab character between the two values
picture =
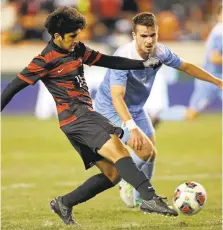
144	19
64	20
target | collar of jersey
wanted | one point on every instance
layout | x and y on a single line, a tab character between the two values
57	48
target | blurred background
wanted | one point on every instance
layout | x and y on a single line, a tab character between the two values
178	20
183	27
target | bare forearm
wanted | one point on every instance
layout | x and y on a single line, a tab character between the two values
200	73
121	109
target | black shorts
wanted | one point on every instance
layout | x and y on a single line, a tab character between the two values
89	133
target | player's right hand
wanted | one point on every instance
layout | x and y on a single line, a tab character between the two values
138	139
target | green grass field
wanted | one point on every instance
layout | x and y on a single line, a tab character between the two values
38	163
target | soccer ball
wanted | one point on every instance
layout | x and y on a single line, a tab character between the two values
189	198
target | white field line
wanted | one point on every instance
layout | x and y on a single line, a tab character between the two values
130	225
182	177
17	186
47	223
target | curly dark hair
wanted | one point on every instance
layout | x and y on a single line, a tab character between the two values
64	20
144	19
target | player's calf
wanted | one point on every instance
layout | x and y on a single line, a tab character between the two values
146	152
109	170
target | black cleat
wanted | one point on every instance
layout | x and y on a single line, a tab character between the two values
62	211
159	206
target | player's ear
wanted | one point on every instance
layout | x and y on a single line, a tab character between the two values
58	37
133	35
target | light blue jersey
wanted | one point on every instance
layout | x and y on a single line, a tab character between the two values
204	92
138	83
214	43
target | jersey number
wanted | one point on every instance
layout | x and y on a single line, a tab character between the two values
79	80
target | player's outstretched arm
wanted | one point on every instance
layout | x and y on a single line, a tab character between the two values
10	90
200	73
115	62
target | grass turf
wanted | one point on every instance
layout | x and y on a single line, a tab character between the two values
38	163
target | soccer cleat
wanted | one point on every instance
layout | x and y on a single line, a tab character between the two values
62	211
159	206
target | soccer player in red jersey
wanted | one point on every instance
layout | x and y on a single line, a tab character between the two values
95	138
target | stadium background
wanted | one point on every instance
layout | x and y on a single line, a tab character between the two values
33	150
183	26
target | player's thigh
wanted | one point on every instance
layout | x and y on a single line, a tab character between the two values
204	93
113	150
109	170
143	121
89	133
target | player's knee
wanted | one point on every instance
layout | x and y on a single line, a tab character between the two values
153	156
144	155
148	152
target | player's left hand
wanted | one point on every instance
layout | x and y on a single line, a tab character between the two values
152	63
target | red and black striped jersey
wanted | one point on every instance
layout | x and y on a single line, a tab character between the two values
62	72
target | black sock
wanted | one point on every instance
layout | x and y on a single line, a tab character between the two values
128	170
87	190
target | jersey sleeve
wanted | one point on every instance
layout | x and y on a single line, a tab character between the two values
89	56
118	77
34	71
167	57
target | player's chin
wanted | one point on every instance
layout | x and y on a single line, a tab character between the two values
148	50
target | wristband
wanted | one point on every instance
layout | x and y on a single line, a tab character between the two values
130	124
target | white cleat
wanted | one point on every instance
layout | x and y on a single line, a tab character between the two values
126	194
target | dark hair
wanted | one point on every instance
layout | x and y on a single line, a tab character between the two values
144	19
64	20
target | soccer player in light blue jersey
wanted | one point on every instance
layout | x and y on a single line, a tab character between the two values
123	93
205	93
